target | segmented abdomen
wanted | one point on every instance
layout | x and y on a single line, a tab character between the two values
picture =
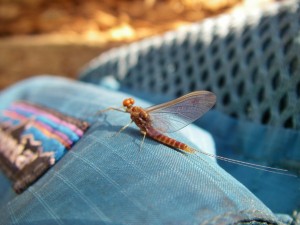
168	141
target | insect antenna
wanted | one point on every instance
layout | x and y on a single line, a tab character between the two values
120	109
250	165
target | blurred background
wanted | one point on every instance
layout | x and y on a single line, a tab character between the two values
60	36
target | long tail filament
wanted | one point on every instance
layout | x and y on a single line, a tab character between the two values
247	164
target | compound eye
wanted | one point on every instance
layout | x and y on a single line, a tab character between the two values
131	101
128	102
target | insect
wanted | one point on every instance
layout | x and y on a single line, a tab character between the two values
174	115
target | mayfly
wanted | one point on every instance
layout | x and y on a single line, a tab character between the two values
174	115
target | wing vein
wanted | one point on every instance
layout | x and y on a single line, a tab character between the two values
176	114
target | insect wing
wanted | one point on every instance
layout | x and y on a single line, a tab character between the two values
176	114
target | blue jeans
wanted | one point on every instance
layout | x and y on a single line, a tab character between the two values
108	180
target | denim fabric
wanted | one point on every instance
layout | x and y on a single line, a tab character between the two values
107	180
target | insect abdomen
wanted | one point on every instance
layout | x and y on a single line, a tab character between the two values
169	141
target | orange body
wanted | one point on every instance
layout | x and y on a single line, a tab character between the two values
142	119
168	141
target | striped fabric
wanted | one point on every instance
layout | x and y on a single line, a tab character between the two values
34	137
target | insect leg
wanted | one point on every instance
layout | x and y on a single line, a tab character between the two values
123	128
144	133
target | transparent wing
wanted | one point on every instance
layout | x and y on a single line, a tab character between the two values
175	115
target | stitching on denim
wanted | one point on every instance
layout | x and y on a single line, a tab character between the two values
137	204
148	178
102	216
12	215
160	173
100	171
46	206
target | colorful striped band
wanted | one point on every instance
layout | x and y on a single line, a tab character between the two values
33	138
